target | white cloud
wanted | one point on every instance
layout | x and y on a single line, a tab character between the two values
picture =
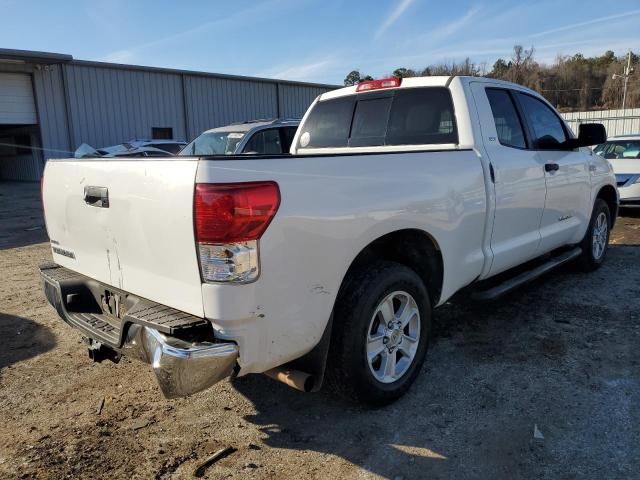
573	26
448	29
120	56
303	72
484	47
393	18
241	17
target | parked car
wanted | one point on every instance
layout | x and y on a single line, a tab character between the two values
623	152
397	194
133	148
267	137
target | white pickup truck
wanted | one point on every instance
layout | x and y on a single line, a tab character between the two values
397	194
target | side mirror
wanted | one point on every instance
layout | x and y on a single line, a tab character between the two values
591	134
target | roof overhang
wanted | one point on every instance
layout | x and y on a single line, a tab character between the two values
27	56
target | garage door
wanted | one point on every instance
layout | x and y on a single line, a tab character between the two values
16	99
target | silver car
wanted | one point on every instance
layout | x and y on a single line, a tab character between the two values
255	137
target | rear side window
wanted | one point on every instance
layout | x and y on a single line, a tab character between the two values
266	142
422	116
416	116
330	122
547	127
508	125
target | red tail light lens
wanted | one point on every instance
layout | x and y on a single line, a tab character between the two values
234	212
378	84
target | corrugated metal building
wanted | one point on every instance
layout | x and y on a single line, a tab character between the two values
51	103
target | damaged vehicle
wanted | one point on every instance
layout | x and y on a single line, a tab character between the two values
132	148
326	262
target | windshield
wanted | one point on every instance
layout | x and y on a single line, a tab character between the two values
619	149
213	143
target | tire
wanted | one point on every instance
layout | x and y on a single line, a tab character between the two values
596	240
366	300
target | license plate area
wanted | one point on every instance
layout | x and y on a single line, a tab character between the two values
114	304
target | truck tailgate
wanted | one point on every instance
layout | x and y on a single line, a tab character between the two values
128	224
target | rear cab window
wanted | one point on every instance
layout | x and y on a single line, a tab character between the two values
409	116
508	124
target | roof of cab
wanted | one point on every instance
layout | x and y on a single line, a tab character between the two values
439	81
435	81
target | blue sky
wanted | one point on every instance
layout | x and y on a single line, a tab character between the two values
316	40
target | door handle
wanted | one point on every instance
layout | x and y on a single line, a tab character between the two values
96	196
551	167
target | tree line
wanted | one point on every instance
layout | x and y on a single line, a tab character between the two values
571	83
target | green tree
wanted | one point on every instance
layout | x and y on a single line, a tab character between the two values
575	82
500	68
353	78
404	72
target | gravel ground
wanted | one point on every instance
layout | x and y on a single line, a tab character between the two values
560	355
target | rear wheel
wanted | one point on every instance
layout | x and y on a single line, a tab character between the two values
381	326
596	240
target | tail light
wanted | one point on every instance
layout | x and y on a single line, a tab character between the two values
229	219
379	84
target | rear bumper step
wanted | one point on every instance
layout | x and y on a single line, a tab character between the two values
169	340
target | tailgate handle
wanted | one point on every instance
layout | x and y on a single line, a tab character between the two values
96	196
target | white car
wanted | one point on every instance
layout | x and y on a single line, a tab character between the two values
133	148
623	152
397	194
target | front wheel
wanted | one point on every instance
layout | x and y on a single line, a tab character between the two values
382	321
596	240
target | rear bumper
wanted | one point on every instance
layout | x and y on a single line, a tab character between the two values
181	349
181	368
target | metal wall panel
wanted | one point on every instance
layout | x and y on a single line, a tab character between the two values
110	105
214	102
52	112
295	99
617	122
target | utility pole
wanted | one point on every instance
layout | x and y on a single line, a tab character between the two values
627	71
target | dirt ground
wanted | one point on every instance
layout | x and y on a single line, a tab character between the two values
561	355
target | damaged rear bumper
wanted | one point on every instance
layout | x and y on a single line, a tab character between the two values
181	348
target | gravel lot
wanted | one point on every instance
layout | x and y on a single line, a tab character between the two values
561	354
